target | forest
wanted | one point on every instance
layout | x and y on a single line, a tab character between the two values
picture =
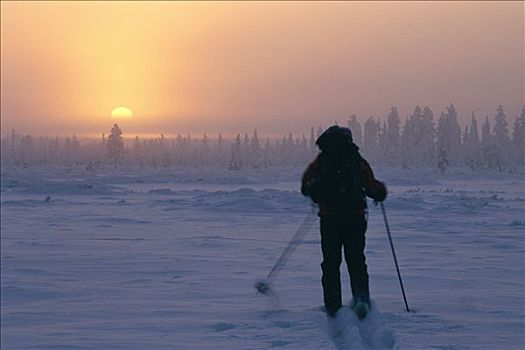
421	140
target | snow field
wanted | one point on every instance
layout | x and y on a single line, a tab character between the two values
129	259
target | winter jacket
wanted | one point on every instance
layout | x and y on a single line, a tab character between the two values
372	188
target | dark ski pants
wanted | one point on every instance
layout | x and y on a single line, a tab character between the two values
346	232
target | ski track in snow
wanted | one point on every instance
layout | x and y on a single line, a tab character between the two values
348	332
129	259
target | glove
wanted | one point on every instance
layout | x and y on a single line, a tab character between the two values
381	192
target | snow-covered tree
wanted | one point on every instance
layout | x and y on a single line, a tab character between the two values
427	134
357	132
255	150
205	150
371	134
488	149
393	136
418	138
267	153
501	139
136	150
518	140
486	136
471	145
378	143
382	143
236	161
115	145
473	132
220	151
449	135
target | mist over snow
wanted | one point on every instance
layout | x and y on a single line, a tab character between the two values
421	140
138	256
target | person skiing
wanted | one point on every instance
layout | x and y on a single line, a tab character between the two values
339	180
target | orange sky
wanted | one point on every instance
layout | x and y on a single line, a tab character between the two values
228	67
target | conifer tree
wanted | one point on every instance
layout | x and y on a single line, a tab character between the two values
427	133
488	150
255	147
518	139
449	134
205	151
501	139
371	138
115	145
219	150
393	135
473	132
486	136
382	144
418	138
267	161
472	146
236	161
357	131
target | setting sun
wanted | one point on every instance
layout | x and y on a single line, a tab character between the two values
231	67
121	113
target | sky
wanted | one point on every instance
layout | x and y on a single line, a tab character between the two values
224	67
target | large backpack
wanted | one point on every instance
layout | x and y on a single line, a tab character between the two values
339	186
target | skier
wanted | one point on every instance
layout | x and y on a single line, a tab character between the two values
339	180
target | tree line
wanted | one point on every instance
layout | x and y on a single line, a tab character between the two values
420	140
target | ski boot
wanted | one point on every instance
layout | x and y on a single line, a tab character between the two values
361	307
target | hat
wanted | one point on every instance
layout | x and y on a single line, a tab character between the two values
334	137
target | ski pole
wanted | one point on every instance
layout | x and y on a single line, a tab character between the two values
294	242
263	287
394	255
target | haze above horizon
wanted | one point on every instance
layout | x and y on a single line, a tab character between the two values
183	67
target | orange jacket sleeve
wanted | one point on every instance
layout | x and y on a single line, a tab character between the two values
374	189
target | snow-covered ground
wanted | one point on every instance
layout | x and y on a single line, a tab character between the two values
129	259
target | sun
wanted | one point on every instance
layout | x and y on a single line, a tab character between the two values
121	113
